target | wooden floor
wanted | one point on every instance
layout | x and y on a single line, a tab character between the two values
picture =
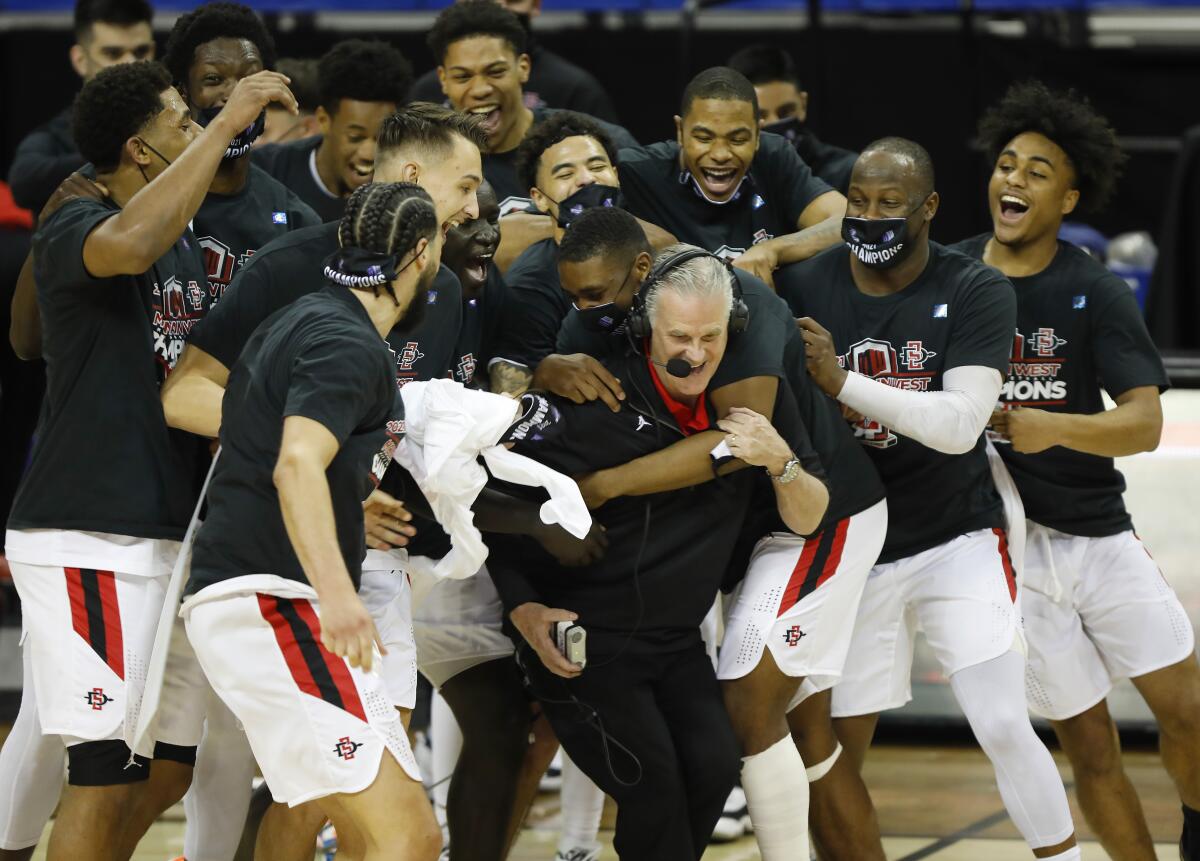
934	802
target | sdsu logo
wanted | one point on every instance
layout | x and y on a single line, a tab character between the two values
409	356
915	355
1034	372
726	252
97	699
466	368
220	263
345	748
793	636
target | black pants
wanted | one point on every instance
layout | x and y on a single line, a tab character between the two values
666	708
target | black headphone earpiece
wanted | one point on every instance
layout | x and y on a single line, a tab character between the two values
637	324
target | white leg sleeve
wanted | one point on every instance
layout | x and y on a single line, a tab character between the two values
582	807
992	696
31	771
777	795
219	797
445	739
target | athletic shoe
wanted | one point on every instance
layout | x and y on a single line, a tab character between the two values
733	821
327	843
552	780
579	853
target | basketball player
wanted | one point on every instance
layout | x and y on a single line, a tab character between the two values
914	339
726	187
1096	607
122	282
316	400
360	84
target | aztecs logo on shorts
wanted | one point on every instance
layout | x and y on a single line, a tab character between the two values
97	699
345	748
903	368
1035	372
793	635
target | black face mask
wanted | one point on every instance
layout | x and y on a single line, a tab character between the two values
879	243
791	128
589	197
607	318
242	142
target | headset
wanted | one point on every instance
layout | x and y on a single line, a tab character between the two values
637	324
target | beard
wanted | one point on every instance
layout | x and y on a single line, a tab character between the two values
414	314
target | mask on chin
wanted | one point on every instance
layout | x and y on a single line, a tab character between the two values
243	140
791	128
589	197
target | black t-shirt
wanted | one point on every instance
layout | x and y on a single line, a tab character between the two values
778	187
232	227
1078	329
294	164
322	359
553	82
104	459
45	157
958	312
537	305
482	318
832	164
772	346
500	169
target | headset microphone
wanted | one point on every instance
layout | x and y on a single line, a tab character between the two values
676	367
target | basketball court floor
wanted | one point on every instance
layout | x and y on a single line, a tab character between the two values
935	793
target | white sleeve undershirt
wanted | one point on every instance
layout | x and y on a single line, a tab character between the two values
948	421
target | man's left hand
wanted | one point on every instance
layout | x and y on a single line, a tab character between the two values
1029	431
753	440
760	261
822	358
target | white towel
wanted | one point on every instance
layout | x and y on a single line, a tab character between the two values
446	428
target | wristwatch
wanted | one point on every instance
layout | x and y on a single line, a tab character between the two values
791	471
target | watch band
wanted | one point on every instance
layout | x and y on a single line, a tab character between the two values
791	471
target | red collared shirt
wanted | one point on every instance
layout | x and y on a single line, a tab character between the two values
691	419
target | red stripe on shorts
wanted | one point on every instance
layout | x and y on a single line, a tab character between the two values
796	582
288	645
835	552
338	668
1002	540
114	642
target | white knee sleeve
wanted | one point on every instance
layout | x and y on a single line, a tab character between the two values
822	768
1072	854
445	740
992	696
31	771
582	807
222	781
777	796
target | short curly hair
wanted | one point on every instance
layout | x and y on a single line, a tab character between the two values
554	129
608	231
475	18
114	106
214	21
365	71
1067	119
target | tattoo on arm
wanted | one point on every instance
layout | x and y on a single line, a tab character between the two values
509	379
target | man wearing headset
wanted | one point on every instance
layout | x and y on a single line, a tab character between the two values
643	715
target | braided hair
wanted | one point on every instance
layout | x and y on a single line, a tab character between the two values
388	218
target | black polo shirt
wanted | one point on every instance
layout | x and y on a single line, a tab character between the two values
1079	329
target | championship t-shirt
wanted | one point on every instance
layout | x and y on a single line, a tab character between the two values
104	459
778	187
482	318
537	305
232	227
771	346
322	359
957	312
294	164
1078	329
500	169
